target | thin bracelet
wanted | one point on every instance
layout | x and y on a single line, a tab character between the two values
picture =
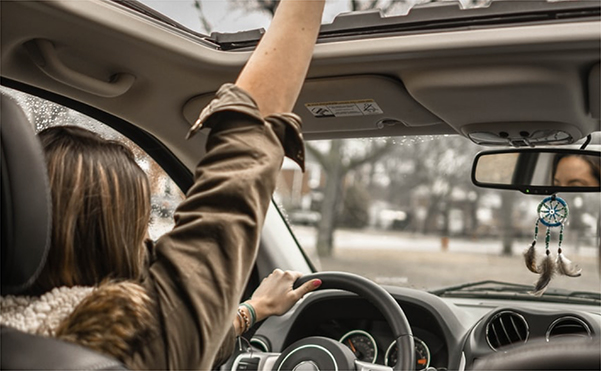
253	314
245	321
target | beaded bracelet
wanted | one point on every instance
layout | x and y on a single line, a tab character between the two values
253	314
243	320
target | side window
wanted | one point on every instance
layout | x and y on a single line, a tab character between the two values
166	195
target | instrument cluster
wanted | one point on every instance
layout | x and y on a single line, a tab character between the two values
367	349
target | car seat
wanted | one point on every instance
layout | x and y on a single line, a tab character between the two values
25	237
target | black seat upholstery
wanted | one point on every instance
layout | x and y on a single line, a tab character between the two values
26	227
26	201
22	351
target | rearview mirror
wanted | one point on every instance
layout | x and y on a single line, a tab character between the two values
538	170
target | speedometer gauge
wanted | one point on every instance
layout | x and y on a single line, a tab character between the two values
362	344
422	355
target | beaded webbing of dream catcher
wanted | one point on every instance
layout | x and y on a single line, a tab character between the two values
552	212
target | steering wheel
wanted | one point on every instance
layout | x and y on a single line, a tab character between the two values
320	353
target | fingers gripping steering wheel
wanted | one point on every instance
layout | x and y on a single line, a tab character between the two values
320	353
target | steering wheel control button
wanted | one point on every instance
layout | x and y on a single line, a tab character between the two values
248	364
306	366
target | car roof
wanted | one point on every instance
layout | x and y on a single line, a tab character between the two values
499	79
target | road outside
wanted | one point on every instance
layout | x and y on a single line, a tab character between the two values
408	260
404	259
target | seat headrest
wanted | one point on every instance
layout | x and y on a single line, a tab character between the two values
26	201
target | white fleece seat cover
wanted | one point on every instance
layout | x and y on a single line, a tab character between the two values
41	315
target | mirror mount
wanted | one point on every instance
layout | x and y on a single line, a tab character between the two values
587	141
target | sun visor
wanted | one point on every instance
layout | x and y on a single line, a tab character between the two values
357	103
508	104
368	105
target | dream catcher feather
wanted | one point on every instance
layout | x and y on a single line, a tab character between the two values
552	212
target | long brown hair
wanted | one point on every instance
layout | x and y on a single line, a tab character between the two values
100	210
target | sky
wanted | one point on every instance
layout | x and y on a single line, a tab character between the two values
225	19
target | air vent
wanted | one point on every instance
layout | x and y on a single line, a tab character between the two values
568	326
506	328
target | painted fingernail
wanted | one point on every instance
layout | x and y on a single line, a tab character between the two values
317	283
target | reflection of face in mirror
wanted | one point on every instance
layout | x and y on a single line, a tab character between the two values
576	171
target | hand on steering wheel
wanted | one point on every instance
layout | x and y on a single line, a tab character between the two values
276	294
320	353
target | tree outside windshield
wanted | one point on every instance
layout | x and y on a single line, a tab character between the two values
403	211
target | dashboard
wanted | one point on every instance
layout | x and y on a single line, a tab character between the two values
358	324
449	333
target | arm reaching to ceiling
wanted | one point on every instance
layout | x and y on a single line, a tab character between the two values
275	72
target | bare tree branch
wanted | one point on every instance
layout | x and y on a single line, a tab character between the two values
372	155
264	5
203	19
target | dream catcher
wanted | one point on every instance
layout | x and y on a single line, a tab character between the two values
552	213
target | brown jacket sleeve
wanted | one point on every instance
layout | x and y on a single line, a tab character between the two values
203	264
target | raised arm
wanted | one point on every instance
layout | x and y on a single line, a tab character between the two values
275	72
203	264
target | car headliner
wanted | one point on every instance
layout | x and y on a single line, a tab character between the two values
518	78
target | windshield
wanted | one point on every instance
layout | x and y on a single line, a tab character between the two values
403	211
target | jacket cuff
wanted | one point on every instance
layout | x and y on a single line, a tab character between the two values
230	98
287	127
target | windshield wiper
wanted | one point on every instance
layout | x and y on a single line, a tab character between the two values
487	285
505	290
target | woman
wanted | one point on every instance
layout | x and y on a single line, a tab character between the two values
181	312
570	170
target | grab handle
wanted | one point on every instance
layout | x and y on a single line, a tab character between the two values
47	60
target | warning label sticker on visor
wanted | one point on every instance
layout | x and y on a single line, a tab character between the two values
344	108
